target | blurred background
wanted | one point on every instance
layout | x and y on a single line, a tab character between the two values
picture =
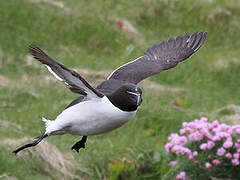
95	37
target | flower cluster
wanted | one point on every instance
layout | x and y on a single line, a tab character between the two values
181	175
221	143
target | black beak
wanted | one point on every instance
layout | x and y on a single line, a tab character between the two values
137	95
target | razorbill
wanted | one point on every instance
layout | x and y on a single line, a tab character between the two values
115	101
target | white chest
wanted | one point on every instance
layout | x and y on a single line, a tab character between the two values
92	117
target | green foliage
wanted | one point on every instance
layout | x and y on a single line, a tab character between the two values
117	168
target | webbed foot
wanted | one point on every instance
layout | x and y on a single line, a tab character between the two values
80	144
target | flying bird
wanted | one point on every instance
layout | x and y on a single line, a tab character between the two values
115	101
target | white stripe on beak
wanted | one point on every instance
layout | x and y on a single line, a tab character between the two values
133	93
139	100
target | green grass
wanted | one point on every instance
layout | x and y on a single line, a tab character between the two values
89	38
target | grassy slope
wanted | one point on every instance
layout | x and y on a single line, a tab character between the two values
88	38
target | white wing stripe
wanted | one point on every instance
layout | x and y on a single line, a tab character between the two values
75	80
121	67
55	75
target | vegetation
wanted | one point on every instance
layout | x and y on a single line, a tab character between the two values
205	150
85	35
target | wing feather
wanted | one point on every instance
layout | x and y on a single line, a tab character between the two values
75	82
160	57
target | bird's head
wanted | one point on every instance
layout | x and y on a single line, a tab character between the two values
133	92
127	98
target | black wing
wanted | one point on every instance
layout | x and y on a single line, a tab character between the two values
75	82
160	57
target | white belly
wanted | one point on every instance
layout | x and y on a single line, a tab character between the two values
90	118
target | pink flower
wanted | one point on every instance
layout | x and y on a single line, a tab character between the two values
224	135
210	144
196	136
221	151
177	148
204	119
168	146
227	144
182	140
203	146
238	130
215	123
208	165
181	176
182	131
195	153
216	138
192	125
237	145
186	151
190	157
229	155
208	135
173	136
216	162
173	163
235	155
184	124
235	162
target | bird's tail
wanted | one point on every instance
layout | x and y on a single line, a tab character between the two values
47	122
51	126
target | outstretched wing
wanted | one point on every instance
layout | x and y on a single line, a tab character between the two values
75	82
160	57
